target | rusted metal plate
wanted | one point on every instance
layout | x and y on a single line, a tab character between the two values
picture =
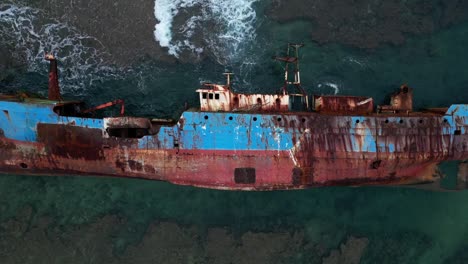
401	101
343	104
71	142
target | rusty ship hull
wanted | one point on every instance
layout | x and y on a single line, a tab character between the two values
235	151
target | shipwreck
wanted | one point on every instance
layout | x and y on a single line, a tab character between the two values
235	141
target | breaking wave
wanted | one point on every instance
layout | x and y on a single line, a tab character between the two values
30	33
224	27
325	88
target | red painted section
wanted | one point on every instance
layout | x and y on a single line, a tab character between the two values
106	105
54	89
214	168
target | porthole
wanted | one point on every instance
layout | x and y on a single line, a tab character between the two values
279	119
357	121
230	118
254	119
206	117
386	121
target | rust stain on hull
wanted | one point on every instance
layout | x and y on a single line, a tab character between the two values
323	156
71	142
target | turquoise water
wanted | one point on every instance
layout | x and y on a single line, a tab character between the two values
402	225
107	220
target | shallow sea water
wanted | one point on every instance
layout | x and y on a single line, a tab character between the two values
108	220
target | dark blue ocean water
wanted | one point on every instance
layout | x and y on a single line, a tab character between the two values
106	220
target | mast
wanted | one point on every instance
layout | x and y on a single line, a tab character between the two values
292	57
228	79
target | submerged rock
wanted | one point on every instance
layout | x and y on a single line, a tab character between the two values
349	252
369	23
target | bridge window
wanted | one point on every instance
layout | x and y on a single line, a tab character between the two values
278	104
210	96
204	95
217	96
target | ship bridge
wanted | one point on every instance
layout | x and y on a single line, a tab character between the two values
215	97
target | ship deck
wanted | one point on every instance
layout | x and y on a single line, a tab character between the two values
429	112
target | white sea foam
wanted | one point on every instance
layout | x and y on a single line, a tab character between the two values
165	11
334	86
226	26
362	62
31	33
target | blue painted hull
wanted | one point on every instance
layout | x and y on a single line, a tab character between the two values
234	150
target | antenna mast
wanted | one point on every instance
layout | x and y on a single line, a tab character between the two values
228	78
292	57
